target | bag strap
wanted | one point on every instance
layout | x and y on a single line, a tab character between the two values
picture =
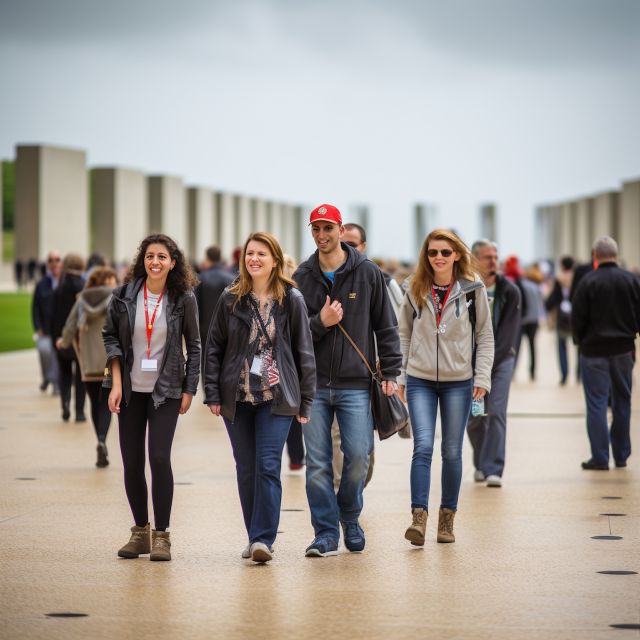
355	346
256	313
471	310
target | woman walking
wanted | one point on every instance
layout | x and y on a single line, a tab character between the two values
83	331
447	354
259	374
151	383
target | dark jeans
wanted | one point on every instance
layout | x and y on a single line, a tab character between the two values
488	434
69	375
529	330
100	414
562	357
132	422
257	438
601	377
295	446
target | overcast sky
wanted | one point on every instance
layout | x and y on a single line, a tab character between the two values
381	102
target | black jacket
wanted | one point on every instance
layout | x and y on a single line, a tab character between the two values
360	287
226	351
213	282
176	375
42	305
506	319
605	313
64	297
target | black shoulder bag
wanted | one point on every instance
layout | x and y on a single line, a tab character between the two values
389	413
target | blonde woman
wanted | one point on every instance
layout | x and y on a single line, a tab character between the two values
440	340
259	374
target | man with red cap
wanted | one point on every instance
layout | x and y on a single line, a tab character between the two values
341	285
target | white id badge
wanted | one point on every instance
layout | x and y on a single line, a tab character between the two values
256	367
149	365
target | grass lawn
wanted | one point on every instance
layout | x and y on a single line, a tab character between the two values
16	331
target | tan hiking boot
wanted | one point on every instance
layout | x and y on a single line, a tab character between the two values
139	543
416	533
160	545
445	525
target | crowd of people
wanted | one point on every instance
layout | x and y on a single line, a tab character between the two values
285	353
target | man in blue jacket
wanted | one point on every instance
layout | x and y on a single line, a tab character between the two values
488	433
605	319
340	285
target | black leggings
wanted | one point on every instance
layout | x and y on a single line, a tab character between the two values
100	414
132	423
70	376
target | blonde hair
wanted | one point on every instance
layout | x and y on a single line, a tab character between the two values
290	266
278	280
423	278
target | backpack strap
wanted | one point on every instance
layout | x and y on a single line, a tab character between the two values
471	310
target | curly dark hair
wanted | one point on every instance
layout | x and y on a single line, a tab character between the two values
180	279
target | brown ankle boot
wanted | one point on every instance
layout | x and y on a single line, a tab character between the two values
445	525
140	542
160	545
415	534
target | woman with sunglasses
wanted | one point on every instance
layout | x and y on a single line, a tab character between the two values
259	374
446	340
151	381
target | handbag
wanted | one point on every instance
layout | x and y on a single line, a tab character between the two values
389	413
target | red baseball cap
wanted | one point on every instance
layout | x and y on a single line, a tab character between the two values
326	213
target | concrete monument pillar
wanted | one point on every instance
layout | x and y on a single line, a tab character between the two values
242	213
566	230
424	220
488	222
299	217
276	221
288	240
606	214
200	203
51	210
583	217
168	208
629	224
225	223
259	214
119	201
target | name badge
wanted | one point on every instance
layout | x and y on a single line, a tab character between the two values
149	365
256	367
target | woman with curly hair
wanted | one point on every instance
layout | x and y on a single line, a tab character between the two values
446	339
151	382
259	374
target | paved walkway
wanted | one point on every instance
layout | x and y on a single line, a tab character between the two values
525	564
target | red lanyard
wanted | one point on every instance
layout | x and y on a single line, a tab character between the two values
149	325
435	303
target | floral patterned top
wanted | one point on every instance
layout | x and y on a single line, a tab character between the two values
255	388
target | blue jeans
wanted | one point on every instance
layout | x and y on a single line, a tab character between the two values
455	399
257	439
601	376
562	357
352	408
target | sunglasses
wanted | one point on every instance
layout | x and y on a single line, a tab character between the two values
432	253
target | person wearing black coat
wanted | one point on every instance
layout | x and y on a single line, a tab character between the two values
64	297
605	320
214	278
488	433
41	317
259	373
151	381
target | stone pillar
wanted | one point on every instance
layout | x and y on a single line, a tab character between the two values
51	210
488	222
424	219
119	201
606	207
566	230
629	225
202	234
583	232
225	223
168	208
288	241
276	221
242	213
299	217
259	215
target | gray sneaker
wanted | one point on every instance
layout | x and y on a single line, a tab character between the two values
260	552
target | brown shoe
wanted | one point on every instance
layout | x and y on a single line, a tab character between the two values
445	525
416	533
160	546
140	542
